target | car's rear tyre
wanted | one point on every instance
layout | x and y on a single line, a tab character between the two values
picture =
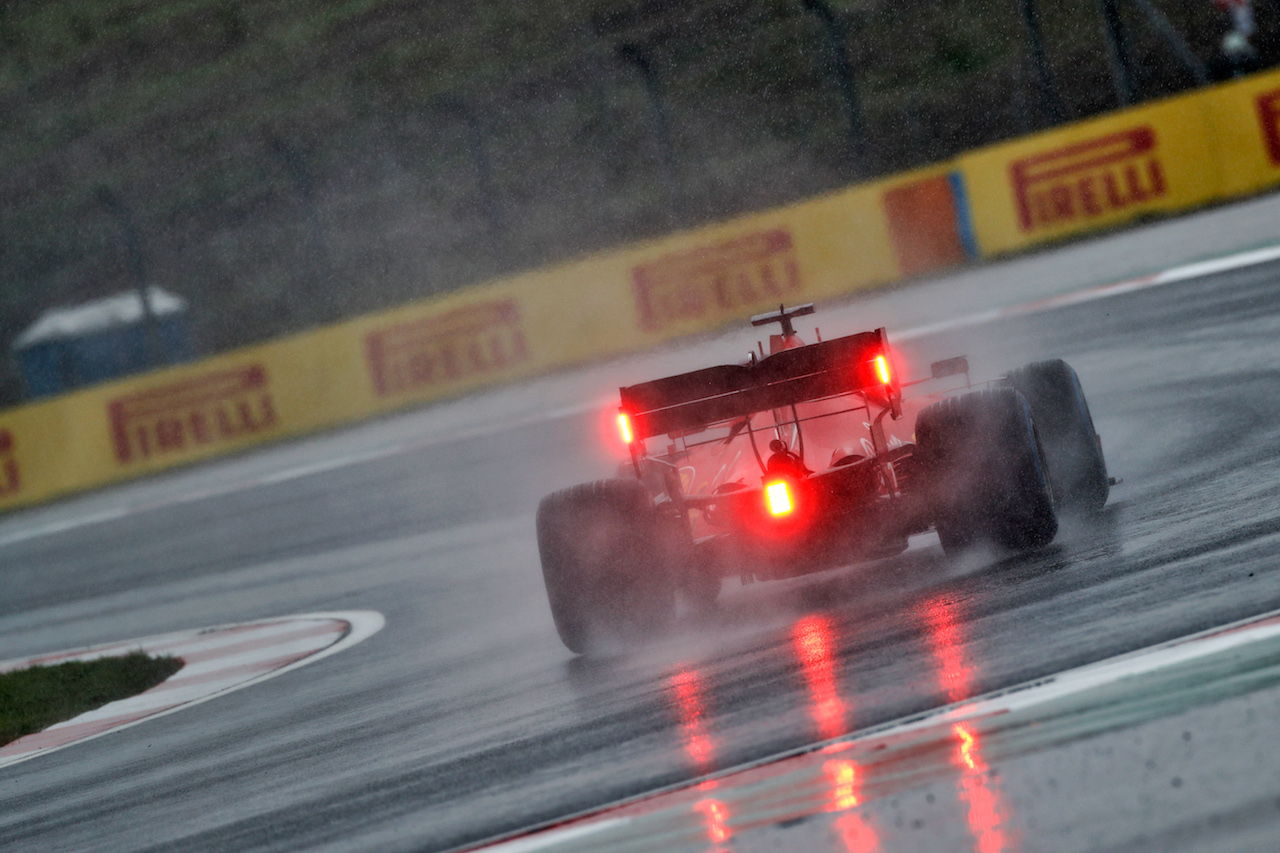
1073	450
607	582
986	474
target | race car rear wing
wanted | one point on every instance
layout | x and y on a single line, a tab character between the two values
690	401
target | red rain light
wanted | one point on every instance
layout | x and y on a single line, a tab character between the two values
882	369
778	498
624	427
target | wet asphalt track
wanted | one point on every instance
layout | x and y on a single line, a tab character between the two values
465	718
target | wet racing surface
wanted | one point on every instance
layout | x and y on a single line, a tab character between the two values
465	718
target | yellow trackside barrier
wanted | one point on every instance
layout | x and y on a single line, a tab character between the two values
124	429
1167	156
334	375
1172	155
430	350
1244	121
701	279
1091	175
622	301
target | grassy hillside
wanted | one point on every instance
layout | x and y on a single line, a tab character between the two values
291	163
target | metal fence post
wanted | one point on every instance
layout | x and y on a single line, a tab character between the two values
838	56
1174	39
138	263
486	185
638	56
1046	87
1118	52
301	177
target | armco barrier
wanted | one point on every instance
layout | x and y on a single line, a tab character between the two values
1167	156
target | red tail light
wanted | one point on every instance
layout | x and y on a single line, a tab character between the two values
624	427
777	497
882	369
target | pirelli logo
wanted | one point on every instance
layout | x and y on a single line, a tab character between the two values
10	482
1269	116
469	342
209	409
1088	180
718	280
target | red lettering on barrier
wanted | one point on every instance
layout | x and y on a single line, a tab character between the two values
717	280
171	418
1088	179
472	341
10	483
1269	115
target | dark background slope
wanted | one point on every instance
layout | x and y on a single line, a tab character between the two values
291	163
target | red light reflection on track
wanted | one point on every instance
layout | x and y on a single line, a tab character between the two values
854	830
812	638
716	816
986	810
944	633
856	834
686	686
844	783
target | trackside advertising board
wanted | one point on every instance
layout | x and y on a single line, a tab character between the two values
244	398
1167	156
1172	155
1244	121
1091	175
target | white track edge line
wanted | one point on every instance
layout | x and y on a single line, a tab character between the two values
949	713
554	836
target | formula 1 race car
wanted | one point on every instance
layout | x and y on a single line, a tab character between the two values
806	459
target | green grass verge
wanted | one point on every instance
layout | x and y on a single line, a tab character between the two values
34	699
